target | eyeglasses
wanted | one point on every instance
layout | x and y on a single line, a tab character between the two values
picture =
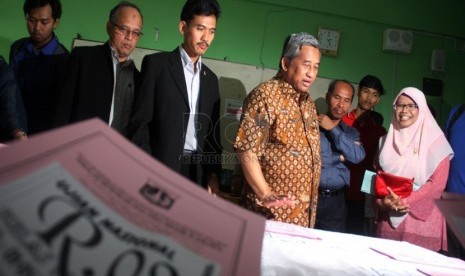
405	106
126	32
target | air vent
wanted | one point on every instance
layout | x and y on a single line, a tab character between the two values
397	41
438	60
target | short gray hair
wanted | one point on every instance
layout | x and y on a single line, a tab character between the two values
293	44
114	13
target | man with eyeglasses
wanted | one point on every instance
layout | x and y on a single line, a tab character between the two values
37	62
100	80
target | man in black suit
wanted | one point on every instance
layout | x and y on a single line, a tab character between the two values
100	80
177	111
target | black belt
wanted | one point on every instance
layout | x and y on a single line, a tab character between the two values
330	192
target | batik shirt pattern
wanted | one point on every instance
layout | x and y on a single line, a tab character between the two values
280	126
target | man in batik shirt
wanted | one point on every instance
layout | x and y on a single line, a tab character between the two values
278	142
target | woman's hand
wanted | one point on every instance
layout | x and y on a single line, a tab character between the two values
393	202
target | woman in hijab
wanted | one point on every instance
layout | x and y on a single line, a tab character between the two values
414	147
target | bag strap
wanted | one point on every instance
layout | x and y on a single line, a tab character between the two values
454	118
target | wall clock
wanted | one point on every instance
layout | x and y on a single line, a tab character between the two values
329	41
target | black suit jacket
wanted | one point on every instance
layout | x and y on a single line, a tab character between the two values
88	86
161	113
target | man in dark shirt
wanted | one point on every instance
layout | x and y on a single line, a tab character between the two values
340	145
38	61
360	217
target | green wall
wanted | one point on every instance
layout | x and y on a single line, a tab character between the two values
252	32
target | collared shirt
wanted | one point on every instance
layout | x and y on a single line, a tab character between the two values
279	125
47	50
114	58
341	140
123	93
192	77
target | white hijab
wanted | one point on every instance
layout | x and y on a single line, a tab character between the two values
417	150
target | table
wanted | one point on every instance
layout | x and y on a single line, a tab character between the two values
293	250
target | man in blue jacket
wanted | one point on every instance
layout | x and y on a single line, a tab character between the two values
455	133
38	62
11	106
340	145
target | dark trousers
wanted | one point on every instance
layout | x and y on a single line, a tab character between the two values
189	166
331	210
355	223
454	248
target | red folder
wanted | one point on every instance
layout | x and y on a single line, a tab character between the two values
401	186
